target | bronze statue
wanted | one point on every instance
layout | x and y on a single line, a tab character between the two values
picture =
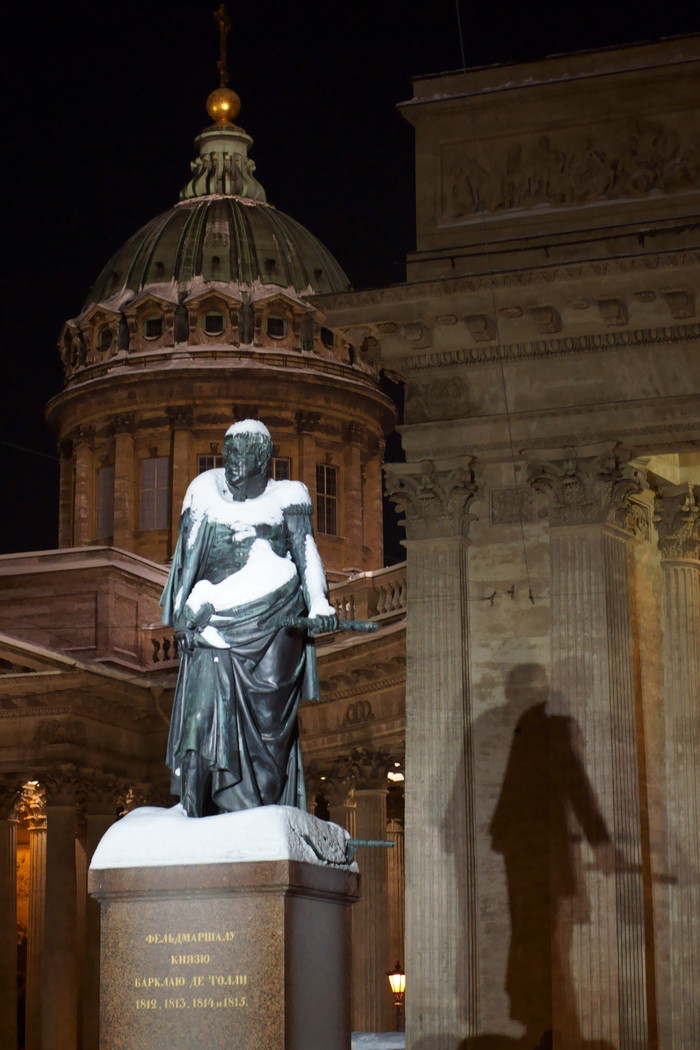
246	566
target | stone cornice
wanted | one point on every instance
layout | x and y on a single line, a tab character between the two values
545	275
557	347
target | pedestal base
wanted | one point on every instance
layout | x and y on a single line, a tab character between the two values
215	956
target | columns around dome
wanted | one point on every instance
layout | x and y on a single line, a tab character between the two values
135	427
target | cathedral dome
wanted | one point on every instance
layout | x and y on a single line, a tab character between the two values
223	230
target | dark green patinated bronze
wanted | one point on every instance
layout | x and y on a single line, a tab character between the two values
233	740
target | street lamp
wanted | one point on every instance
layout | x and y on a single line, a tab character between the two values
397	983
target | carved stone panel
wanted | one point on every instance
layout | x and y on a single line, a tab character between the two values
567	168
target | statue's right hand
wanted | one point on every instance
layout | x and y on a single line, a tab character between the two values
185	640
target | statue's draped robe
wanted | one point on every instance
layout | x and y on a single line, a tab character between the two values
237	706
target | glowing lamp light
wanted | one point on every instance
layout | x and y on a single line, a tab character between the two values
397	983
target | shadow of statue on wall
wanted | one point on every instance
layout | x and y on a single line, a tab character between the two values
545	808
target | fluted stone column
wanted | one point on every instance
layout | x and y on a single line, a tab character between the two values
678	522
34	818
441	932
396	886
84	486
9	796
352	525
59	981
598	937
181	423
100	815
371	1007
124	481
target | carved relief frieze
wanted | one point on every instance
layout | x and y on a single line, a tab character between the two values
439	399
677	520
435	500
622	160
589	490
60	731
358	713
512	506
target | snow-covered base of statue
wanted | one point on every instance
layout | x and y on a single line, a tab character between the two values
150	837
378	1040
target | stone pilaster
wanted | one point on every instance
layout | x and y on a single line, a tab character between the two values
9	797
124	481
59	981
307	424
677	520
83	487
353	514
442	962
181	423
371	1007
396	887
65	494
372	523
598	926
33	812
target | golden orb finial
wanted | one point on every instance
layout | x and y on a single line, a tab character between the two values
223	105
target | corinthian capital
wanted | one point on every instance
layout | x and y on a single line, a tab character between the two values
435	499
677	519
592	490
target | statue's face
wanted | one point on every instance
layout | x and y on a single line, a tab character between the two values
243	459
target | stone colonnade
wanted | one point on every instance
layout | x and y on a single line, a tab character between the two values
624	955
65	813
356	790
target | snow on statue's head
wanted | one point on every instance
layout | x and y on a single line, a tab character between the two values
255	434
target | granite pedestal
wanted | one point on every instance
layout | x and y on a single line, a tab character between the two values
244	955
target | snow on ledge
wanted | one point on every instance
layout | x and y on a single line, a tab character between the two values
150	837
378	1040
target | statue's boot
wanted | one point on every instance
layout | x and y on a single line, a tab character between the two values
194	777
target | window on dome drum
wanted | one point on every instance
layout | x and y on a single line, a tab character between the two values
280	469
328	338
105	502
155	493
276	327
209	463
214	323
153	327
104	337
327	499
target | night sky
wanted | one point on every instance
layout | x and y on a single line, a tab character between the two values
103	102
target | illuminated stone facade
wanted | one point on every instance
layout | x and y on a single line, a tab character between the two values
550	346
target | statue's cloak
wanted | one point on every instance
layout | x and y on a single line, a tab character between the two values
237	706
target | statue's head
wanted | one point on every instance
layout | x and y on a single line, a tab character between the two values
247	451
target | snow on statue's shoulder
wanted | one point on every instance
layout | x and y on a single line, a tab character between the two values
151	837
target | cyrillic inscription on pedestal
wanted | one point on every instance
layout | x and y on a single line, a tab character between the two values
194	970
221	956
